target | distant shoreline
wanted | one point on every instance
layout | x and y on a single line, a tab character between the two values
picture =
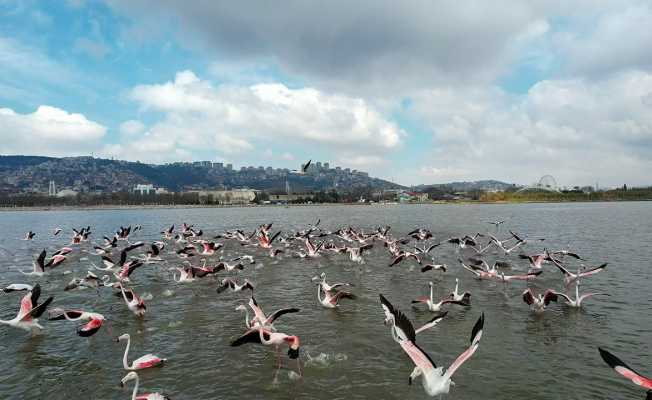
189	206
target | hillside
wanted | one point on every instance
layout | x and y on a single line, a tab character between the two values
25	174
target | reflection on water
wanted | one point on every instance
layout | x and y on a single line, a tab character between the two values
347	353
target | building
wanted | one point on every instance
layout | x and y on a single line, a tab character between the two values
229	167
66	193
287	198
406	197
144	189
227	197
218	165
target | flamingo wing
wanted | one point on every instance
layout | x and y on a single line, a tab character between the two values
528	297
432	323
251	336
278	313
147	361
622	368
593	271
90	328
476	335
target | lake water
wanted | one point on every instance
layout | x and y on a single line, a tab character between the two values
346	353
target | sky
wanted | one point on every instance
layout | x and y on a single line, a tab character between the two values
419	92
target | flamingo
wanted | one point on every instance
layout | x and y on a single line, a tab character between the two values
620	367
89	281
539	302
577	301
312	250
134	303
17	287
261	319
457	296
421	234
268	337
93	325
332	298
224	266
265	242
29	312
146	396
186	274
390	313
146	361
327	287
39	265
434	267
570	277
434	380
227	283
436	307
355	253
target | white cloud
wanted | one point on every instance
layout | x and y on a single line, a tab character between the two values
93	48
288	156
577	130
132	127
604	42
233	119
48	131
361	161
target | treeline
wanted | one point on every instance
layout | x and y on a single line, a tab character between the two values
86	199
635	194
127	199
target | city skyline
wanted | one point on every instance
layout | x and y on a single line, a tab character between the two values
429	92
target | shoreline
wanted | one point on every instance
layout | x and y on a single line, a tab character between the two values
191	206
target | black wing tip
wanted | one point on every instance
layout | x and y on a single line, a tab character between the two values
611	359
479	326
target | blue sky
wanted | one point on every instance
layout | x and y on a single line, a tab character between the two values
426	93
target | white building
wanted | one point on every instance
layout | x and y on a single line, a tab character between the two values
144	189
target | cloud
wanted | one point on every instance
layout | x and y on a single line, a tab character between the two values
578	130
95	49
48	131
341	45
609	41
132	127
361	161
230	119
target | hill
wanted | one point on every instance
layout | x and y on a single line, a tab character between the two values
32	174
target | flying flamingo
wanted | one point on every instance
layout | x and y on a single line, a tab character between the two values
622	368
268	337
29	312
570	277
436	307
457	296
17	287
261	319
539	302
146	361
577	301
332	298
435	381
145	396
39	265
90	328
390	313
135	304
228	283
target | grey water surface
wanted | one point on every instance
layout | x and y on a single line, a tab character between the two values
346	353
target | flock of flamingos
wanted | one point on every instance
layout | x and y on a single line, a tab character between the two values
121	259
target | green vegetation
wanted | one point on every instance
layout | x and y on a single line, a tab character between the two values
624	194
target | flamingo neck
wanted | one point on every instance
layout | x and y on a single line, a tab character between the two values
134	393
125	363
